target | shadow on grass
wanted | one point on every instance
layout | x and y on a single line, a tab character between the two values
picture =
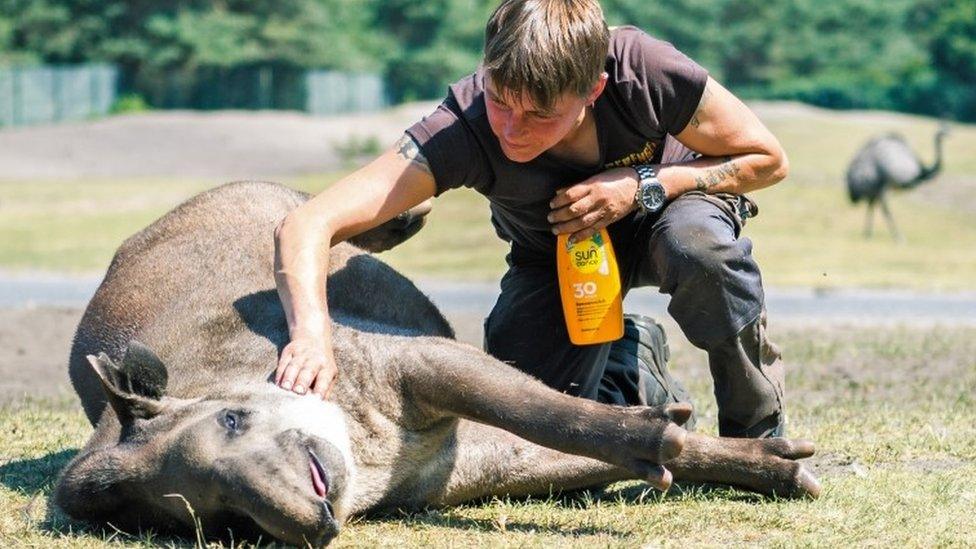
443	518
638	494
29	476
626	493
36	478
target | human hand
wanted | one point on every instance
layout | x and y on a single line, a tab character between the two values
588	206
307	364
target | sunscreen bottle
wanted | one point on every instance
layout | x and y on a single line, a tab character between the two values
589	285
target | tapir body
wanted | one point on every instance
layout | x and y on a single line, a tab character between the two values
173	362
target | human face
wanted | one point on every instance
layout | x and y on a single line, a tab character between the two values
524	130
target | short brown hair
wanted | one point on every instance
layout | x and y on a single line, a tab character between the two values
546	47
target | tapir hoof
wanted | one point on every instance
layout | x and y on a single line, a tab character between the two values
660	478
679	412
806	486
801	484
672	443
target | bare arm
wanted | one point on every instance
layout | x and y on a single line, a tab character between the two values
740	156
396	181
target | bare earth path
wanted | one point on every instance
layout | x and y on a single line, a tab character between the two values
227	144
39	313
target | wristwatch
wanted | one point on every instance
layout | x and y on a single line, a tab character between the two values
650	193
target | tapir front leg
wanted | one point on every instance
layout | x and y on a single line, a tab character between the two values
768	466
446	378
490	462
624	443
487	461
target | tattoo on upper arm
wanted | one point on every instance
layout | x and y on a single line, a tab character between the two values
407	149
717	174
695	118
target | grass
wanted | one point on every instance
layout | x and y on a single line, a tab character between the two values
892	411
807	234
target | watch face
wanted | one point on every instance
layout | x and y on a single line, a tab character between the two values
653	196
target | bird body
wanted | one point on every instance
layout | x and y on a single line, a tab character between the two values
884	162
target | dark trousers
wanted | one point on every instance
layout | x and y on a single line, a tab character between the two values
692	251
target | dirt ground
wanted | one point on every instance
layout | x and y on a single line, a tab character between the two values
35	343
225	144
34	347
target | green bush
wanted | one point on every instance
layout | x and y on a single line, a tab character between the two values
129	103
356	149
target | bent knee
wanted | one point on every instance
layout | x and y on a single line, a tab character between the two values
701	245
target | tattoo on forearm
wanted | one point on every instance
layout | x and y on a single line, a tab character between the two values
407	149
695	120
717	174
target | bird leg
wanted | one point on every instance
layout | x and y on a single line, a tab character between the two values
870	219
891	220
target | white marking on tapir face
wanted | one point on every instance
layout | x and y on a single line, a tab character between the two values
315	417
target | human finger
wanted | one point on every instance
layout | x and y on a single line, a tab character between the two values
590	219
586	233
283	362
289	375
292	370
325	381
309	369
571	211
568	195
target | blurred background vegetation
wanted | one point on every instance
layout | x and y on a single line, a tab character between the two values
908	55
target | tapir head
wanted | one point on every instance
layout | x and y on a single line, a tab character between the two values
260	461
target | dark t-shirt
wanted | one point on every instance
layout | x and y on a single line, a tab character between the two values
652	92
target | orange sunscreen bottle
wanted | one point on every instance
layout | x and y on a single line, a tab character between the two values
589	284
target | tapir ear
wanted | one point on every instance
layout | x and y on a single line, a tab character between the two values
121	390
146	374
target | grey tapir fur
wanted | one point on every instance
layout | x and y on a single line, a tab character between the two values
183	335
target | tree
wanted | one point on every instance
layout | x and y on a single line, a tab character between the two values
438	41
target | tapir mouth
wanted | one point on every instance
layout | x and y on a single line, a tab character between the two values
320	479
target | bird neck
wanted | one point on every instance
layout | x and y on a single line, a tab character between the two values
931	171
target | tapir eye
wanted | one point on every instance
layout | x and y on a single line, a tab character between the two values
232	420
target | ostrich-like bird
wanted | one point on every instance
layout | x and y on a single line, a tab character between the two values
888	162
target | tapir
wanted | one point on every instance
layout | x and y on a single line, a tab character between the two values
174	357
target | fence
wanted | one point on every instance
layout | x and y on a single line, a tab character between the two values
36	95
320	92
330	92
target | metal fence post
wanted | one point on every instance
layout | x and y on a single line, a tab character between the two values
15	94
57	98
265	82
94	93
